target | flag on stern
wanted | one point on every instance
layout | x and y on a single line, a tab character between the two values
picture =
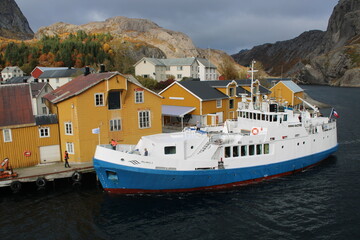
334	113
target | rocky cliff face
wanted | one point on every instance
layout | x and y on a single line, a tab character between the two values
13	24
331	57
173	44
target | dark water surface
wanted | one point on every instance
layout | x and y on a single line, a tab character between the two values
320	203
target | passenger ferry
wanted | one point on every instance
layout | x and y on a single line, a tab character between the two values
266	140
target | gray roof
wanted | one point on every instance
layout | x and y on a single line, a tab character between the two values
205	62
203	90
13	80
206	90
61	73
46	119
171	61
292	86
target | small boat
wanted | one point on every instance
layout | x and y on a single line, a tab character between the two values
266	140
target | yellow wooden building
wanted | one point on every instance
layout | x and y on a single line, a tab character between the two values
287	91
27	140
93	109
209	102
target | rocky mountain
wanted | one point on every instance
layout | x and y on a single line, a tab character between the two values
331	57
13	23
173	44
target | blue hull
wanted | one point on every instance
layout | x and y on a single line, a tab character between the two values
122	179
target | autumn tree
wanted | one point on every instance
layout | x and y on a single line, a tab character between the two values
227	69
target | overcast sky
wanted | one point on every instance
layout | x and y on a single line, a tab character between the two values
228	25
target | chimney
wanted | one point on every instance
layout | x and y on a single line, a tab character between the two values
102	68
87	71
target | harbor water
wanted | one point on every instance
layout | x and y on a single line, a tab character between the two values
320	203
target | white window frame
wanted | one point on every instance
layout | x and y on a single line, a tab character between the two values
44	132
219	103
144	119
99	102
179	68
70	148
68	128
179	76
139	96
115	125
7	135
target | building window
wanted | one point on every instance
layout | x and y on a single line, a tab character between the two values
114	100
231	103
7	135
44	132
99	99
139	96
44	110
179	76
68	128
70	147
218	103
231	92
144	119
115	125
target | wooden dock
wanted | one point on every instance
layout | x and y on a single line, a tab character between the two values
43	173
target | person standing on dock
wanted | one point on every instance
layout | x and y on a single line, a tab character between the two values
66	158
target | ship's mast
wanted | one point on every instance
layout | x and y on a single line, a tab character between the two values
252	80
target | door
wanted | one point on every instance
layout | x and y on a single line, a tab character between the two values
50	154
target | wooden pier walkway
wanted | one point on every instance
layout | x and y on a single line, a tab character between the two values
47	172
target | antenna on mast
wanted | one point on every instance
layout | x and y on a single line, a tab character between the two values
252	79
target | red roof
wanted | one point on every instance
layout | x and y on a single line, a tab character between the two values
77	86
15	105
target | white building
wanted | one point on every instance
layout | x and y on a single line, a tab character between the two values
38	90
161	69
10	72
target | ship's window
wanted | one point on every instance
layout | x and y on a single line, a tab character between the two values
275	118
235	151
243	150
247	114
112	176
263	117
285	117
251	150
266	148
227	152
258	149
258	116
170	150
270	118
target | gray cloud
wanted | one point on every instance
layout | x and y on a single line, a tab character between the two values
228	25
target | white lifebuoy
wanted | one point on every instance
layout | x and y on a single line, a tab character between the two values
255	131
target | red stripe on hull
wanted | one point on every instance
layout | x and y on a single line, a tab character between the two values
209	188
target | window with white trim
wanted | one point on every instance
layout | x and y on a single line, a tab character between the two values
99	99
179	76
44	132
139	96
68	128
70	147
115	125
7	135
218	103
144	119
